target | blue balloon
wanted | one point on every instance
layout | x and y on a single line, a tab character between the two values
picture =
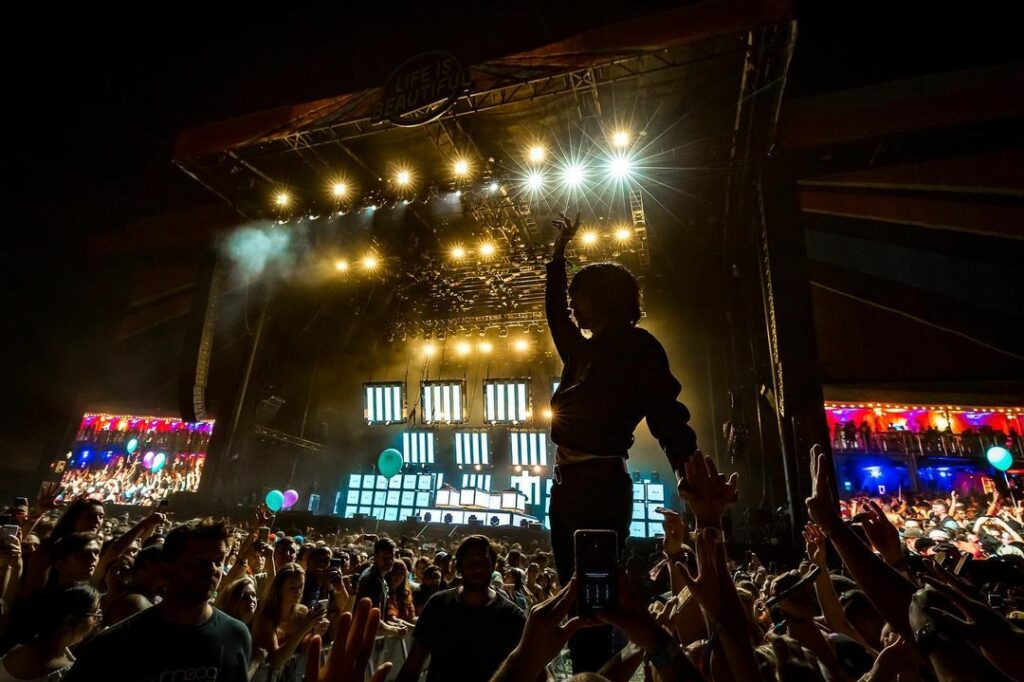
274	500
1000	457
390	462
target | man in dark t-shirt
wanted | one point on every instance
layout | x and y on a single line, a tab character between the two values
183	637
467	631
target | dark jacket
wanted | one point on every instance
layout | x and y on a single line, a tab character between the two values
609	383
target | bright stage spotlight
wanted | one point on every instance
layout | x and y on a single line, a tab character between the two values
494	187
589	238
521	345
623	234
462	348
282	199
429	350
535	181
537	153
620	138
485	347
403	178
487	249
573	175
341	265
339	189
546	413
460	168
370	262
620	167
458	252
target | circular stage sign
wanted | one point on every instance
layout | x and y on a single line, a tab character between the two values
421	90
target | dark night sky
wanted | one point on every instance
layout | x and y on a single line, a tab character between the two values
95	103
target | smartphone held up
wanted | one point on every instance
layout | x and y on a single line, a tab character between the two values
597	577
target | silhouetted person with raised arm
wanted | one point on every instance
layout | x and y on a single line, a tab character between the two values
610	381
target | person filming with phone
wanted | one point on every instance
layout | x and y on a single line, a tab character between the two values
614	375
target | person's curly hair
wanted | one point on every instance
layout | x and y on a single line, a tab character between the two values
612	287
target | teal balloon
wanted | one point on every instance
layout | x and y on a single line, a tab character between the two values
132	445
274	500
1000	457
158	462
390	462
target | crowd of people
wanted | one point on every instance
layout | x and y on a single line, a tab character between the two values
974	526
123	482
878	595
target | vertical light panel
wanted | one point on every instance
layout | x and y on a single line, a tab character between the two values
384	403
442	402
478	481
529	448
506	401
471	447
491	413
396	403
418	447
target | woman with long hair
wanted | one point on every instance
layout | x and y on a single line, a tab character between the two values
400	605
83	515
515	588
239	600
282	622
63	617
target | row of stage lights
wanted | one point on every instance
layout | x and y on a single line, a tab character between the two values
464	348
571	174
485	250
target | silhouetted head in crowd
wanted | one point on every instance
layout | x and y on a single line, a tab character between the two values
285	592
431	577
285	551
193	561
384	555
73	559
81	516
602	294
240	599
475	560
64	616
147	571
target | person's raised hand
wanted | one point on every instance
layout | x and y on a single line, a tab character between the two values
545	633
883	535
155	520
953	656
706	586
821	505
817	544
632	617
10	551
313	617
566	230
675	532
354	636
707	492
1000	640
895	661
